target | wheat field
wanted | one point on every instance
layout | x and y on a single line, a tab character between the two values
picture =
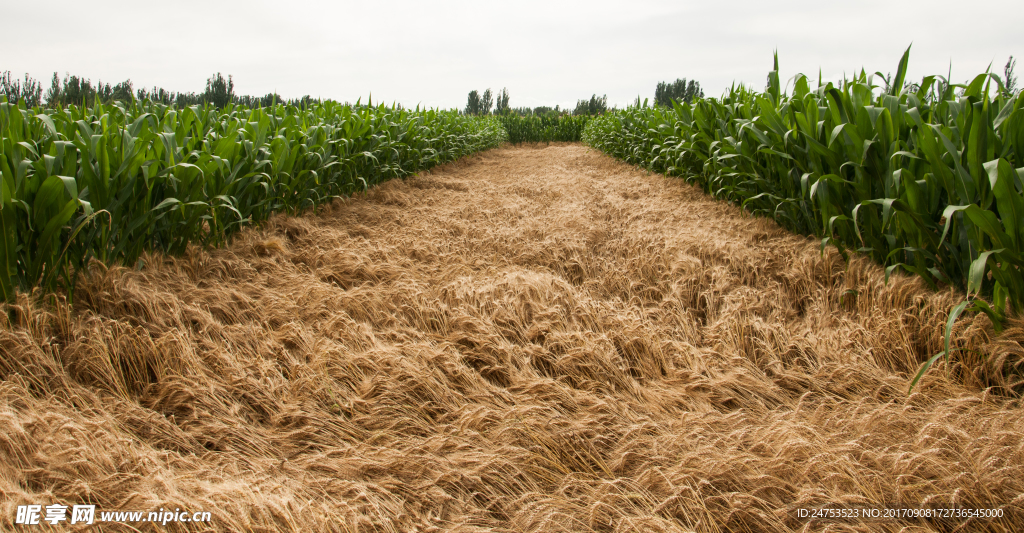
532	339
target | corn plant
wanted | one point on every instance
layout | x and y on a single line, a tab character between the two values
925	177
544	128
111	181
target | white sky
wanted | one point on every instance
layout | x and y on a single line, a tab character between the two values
544	52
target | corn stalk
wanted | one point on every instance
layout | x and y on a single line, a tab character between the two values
926	178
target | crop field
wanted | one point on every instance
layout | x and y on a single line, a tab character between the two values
112	181
543	129
926	177
527	339
724	314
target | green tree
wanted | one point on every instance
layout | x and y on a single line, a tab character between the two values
479	104
72	90
502	106
545	110
486	101
594	106
473	104
679	90
123	91
219	92
104	91
30	92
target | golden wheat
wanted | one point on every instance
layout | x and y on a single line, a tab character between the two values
533	339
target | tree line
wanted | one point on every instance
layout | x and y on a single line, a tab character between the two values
220	91
481	103
478	103
679	90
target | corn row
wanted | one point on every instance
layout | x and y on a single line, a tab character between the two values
112	181
924	177
546	129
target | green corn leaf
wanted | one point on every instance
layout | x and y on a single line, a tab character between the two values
978	267
1009	201
924	368
901	74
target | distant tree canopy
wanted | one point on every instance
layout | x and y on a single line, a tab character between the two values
31	91
219	92
539	111
502	106
479	104
76	90
679	90
269	100
473	105
594	106
486	101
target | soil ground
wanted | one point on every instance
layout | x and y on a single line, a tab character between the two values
533	339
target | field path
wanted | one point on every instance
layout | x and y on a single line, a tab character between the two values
534	339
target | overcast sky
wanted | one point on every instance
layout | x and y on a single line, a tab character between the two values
544	52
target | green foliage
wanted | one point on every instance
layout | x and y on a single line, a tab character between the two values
122	92
486	101
916	177
74	90
539	111
679	90
80	91
543	128
114	180
271	99
219	92
473	105
181	100
29	91
594	106
479	104
501	107
1009	79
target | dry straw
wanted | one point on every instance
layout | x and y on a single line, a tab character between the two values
531	340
